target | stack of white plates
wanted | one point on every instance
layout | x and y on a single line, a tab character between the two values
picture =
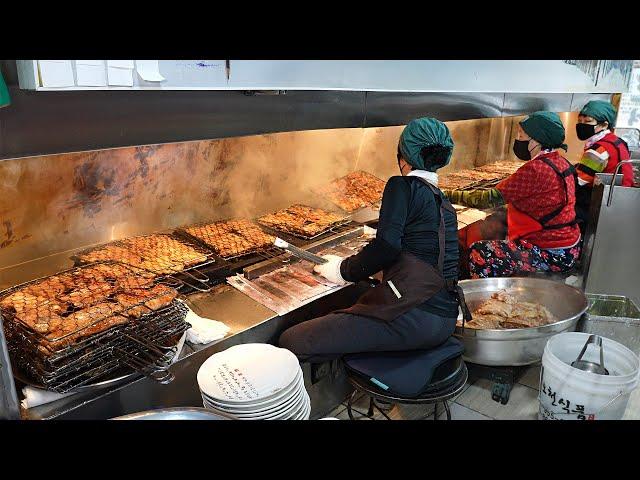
255	381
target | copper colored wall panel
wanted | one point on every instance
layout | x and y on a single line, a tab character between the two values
52	204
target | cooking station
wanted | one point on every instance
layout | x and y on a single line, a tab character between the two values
63	208
206	293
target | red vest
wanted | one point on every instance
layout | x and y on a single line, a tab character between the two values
617	151
521	224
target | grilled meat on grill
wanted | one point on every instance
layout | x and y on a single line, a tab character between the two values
160	254
353	191
301	220
232	238
70	302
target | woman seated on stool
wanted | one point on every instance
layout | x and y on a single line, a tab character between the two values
542	232
603	151
416	304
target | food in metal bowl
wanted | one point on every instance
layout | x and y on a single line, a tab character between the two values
503	311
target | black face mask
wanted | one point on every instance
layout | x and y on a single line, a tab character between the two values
521	149
585	131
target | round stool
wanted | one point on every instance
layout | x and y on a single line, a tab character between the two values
446	380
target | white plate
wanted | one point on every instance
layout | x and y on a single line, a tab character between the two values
289	412
303	412
269	402
276	416
272	400
275	404
307	413
282	410
247	373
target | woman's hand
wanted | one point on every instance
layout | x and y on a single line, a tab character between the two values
331	269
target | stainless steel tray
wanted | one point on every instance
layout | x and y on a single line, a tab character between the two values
614	317
82	388
522	346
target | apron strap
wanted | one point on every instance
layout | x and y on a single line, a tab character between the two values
451	285
444	204
563	175
616	144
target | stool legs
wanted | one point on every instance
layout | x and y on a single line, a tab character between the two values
370	413
446	407
351	398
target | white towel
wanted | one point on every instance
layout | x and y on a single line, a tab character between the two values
37	396
204	330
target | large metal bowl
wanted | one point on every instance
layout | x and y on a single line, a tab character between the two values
521	346
175	413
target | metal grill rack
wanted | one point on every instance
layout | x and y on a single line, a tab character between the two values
99	318
190	275
301	241
146	346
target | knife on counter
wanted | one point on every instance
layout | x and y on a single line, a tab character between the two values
298	252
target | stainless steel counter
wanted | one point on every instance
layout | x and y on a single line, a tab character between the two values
610	257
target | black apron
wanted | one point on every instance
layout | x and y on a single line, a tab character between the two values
410	281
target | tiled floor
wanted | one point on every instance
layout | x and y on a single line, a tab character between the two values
475	403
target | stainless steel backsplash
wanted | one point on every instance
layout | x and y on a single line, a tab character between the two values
52	204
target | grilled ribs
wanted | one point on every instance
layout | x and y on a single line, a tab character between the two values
232	238
160	254
301	220
354	191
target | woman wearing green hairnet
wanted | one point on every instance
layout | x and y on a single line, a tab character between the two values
416	246
542	232
603	151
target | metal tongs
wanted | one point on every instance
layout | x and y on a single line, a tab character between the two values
588	366
298	252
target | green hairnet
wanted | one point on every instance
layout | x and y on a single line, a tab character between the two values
418	136
600	110
545	128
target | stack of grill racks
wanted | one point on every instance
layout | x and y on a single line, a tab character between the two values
90	324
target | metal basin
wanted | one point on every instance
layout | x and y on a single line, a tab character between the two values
520	346
177	413
614	317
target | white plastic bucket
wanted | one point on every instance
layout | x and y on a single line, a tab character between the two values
568	393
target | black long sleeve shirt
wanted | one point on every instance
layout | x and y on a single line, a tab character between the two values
409	221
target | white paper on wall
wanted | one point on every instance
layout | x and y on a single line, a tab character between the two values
149	70
121	64
120	76
91	73
96	63
629	109
56	73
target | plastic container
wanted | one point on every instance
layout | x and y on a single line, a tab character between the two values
567	393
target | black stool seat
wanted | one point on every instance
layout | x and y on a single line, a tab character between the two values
411	377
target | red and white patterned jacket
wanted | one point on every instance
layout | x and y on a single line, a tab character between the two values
536	190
